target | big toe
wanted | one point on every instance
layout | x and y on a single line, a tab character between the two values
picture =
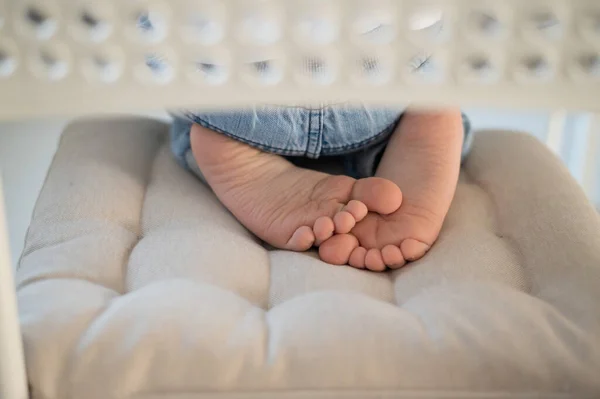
379	195
337	249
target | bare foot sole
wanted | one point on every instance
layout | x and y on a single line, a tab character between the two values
380	242
287	206
423	158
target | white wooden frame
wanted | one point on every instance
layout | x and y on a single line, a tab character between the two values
542	53
13	381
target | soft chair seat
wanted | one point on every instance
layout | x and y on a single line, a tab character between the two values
136	282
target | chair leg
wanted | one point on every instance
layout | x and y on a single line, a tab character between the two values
13	380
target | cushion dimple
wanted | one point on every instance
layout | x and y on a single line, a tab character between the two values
189	234
506	301
468	249
211	254
76	255
454	258
471	206
295	274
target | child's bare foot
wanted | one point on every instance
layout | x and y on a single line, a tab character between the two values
284	205
423	158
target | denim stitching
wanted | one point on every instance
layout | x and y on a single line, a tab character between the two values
308	131
311	146
341	150
319	148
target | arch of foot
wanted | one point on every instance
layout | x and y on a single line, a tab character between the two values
150	285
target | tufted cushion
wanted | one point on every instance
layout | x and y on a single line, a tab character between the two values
136	282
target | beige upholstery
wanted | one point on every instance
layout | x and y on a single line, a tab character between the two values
136	282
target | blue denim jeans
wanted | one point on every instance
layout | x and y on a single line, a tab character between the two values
353	136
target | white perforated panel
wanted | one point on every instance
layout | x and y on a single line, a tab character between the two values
79	56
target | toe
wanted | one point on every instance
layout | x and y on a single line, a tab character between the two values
357	209
344	222
323	229
413	250
302	239
392	257
379	195
337	249
374	260
357	258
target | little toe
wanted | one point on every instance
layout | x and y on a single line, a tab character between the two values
337	249
302	239
344	222
357	258
392	257
357	209
374	260
379	195
413	250
323	229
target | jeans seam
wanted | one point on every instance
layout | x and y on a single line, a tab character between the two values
320	136
313	135
341	150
